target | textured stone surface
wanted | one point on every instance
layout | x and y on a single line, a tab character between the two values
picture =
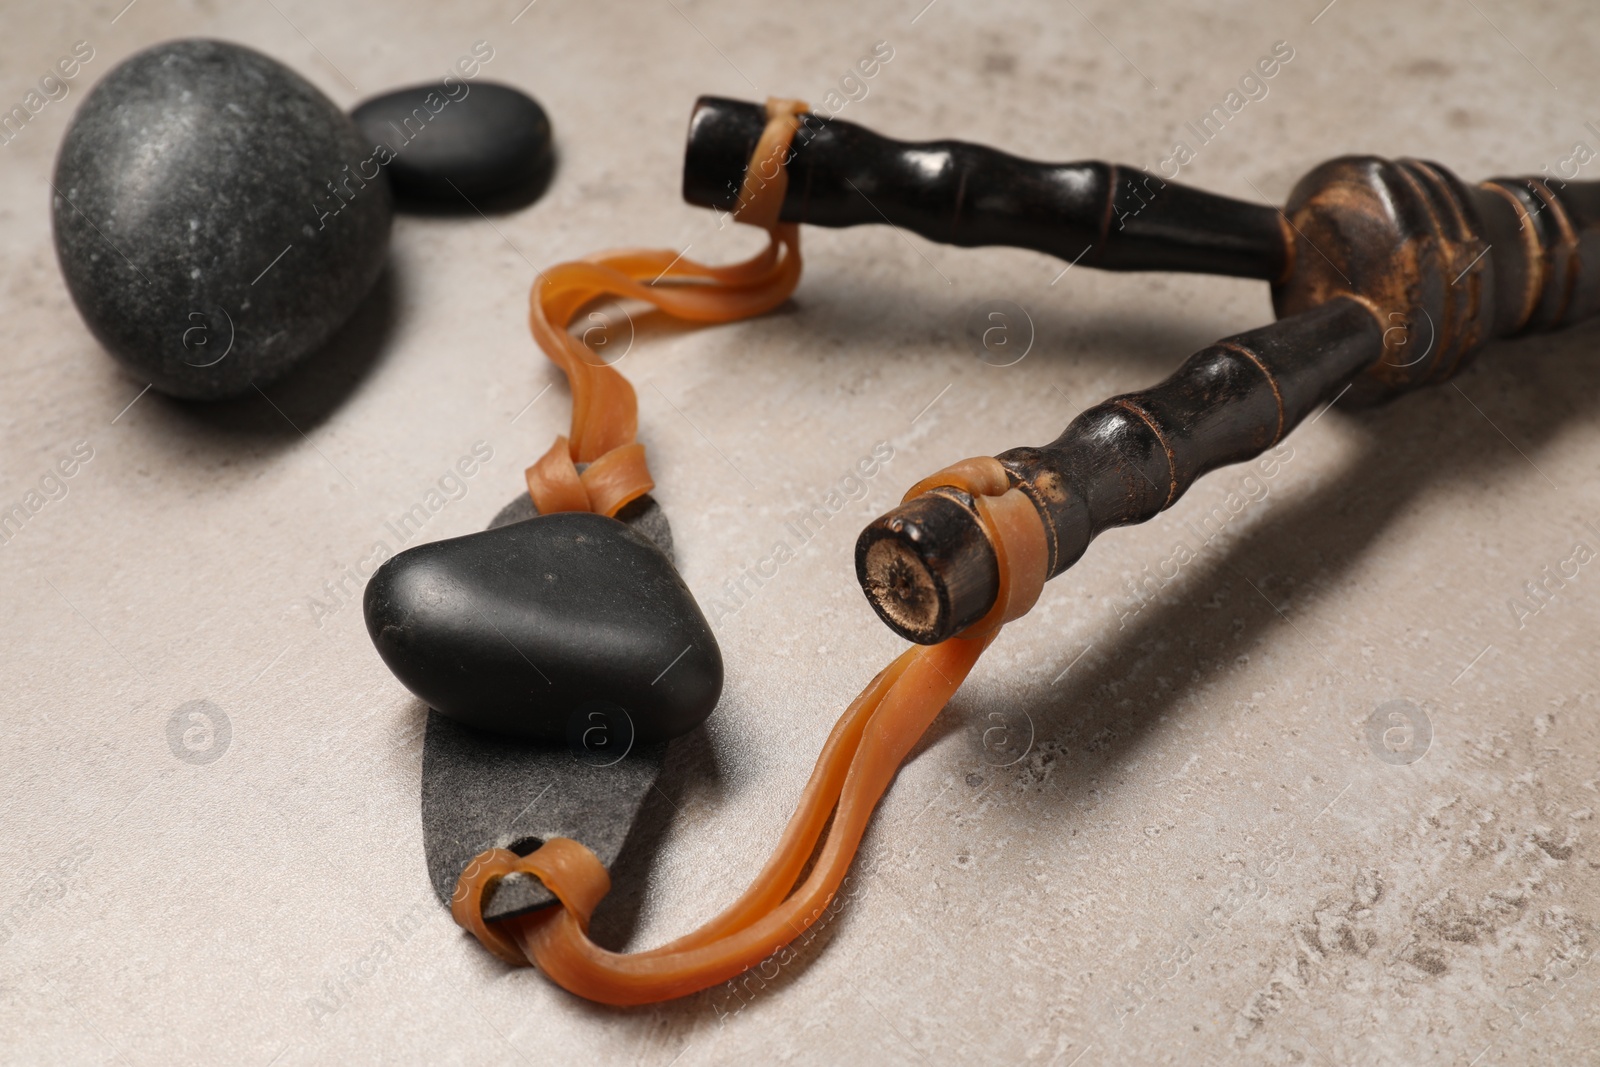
452	140
195	221
274	902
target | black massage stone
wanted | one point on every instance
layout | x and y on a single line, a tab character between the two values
458	140
210	217
526	629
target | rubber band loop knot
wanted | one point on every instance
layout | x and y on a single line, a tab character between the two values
605	415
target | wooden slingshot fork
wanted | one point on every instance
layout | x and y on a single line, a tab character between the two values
1385	275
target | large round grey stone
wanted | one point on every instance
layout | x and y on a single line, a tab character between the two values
212	217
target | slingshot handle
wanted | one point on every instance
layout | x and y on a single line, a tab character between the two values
1099	214
1445	266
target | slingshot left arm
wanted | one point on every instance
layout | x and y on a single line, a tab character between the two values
1099	214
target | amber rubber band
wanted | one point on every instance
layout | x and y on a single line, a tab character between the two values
868	743
605	416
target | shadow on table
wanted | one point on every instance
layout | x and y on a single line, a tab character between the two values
691	776
1532	390
280	412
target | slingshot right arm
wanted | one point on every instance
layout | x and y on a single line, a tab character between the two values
928	570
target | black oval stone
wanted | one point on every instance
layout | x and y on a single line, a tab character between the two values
209	218
455	139
519	628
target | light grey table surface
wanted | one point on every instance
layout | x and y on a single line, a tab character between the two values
1199	856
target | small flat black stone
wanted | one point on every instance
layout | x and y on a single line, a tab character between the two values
481	141
194	220
524	629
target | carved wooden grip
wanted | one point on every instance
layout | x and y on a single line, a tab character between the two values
1557	269
1445	266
